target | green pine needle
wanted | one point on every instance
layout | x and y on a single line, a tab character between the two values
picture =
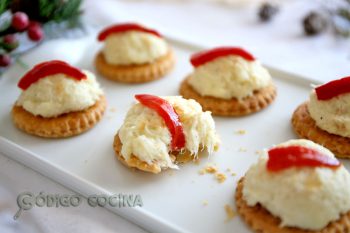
4	4
58	10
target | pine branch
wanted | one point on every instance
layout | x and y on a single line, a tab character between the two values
58	10
344	13
69	10
4	4
47	7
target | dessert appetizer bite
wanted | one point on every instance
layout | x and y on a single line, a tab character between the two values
228	81
295	187
58	100
159	132
133	54
325	117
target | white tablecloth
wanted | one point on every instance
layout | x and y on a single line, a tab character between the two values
280	44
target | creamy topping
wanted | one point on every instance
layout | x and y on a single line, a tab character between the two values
229	77
145	134
58	94
133	47
331	115
307	198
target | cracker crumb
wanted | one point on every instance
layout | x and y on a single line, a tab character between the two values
259	152
228	170
242	149
112	109
202	171
211	169
220	177
208	169
205	202
241	132
230	214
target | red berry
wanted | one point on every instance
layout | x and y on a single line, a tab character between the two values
35	33
5	60
10	39
20	21
10	42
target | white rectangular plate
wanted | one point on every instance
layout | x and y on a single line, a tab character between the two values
173	200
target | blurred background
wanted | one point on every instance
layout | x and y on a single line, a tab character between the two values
310	38
306	37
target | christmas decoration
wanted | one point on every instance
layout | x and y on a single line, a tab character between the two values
334	15
37	20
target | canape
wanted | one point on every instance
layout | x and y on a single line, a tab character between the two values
295	187
133	54
325	117
58	100
160	132
228	81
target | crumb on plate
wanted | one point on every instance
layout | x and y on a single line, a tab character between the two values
208	169
230	214
241	132
211	169
259	152
202	171
220	177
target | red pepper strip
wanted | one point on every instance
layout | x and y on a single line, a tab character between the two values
281	158
333	89
167	112
123	28
203	57
49	68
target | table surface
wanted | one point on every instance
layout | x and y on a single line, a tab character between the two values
280	44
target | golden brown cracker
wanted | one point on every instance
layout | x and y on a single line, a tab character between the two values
233	107
135	162
65	125
305	127
135	73
260	220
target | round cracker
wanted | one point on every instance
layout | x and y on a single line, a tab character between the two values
135	162
260	220
305	127
233	107
65	125
135	73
